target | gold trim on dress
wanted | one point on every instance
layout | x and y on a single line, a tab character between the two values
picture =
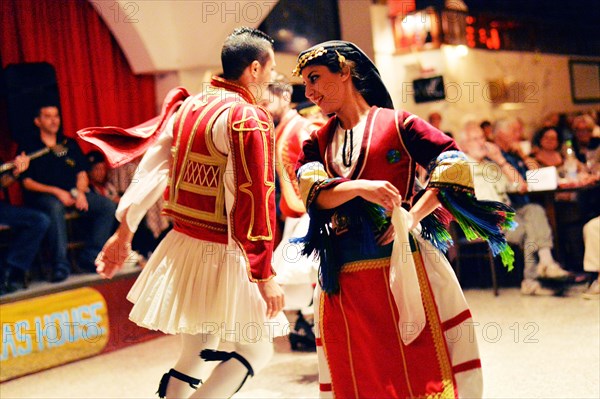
452	172
434	324
309	175
368	264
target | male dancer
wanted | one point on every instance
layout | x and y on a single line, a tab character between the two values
210	279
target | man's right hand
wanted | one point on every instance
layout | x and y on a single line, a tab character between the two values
272	294
113	256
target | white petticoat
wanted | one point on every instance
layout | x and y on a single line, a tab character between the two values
193	286
296	273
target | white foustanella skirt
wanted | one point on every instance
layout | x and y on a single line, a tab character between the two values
193	286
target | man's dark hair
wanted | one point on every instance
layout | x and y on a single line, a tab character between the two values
39	108
241	48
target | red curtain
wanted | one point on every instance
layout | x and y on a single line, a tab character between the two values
96	84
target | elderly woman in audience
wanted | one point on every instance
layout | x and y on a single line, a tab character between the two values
548	143
585	144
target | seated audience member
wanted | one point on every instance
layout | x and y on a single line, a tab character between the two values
28	228
492	175
58	182
507	137
435	120
488	130
591	257
584	144
548	143
552	119
98	174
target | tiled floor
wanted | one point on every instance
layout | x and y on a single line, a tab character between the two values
531	347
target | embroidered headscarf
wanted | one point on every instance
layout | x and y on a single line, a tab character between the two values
366	78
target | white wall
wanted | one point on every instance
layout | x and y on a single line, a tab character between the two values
544	77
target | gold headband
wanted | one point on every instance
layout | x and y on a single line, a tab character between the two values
307	57
315	53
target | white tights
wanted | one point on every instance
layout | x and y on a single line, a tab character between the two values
226	377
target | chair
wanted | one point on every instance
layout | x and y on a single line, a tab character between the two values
475	249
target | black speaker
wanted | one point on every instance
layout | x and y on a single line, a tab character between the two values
28	86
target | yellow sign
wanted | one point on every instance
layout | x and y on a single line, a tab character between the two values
51	330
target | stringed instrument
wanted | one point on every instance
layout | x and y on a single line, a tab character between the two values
60	150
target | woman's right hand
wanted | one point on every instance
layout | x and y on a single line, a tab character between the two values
380	192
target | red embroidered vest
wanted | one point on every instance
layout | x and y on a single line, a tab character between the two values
195	194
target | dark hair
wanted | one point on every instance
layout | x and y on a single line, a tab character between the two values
359	80
485	124
95	157
39	108
537	137
335	55
242	47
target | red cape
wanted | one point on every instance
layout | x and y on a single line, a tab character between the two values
120	145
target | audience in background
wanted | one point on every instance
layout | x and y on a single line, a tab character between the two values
548	144
584	144
435	120
488	130
57	183
493	174
28	228
98	175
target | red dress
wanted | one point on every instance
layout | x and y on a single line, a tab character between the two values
365	348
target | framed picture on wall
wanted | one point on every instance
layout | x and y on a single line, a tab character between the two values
429	89
585	81
297	25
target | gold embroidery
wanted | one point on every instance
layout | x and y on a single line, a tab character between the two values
307	57
455	173
199	173
190	141
263	128
369	264
310	174
436	330
181	116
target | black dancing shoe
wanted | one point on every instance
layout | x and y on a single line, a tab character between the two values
302	338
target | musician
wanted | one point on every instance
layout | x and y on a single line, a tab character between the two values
27	229
58	182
